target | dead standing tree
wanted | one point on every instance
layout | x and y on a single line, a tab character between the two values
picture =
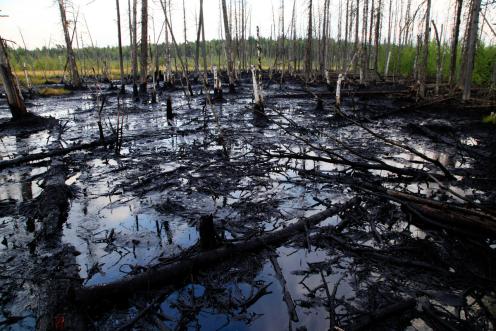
425	53
228	46
364	57
454	42
470	46
14	95
71	58
308	47
144	46
121	61
134	45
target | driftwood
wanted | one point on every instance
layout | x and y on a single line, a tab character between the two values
179	271
56	152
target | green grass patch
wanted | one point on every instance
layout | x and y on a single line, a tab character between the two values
53	92
491	119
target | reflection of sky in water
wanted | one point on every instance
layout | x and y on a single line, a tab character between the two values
141	234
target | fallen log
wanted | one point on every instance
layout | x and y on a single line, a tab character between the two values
52	153
471	223
54	309
364	322
179	271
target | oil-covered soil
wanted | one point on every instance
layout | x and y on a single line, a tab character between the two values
133	208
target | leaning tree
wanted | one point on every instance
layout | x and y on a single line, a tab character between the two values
14	95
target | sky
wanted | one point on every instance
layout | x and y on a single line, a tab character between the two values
39	20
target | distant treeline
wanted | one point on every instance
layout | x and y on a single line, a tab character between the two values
402	60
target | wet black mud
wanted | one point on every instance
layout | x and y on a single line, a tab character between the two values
255	173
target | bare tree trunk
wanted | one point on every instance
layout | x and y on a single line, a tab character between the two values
121	60
185	41
470	47
439	72
14	95
371	32
204	46
357	37
134	46
346	34
197	44
257	78
283	41
377	37
295	44
168	62
144	46
388	47
71	58
323	48
425	53
364	58
308	48
454	43
228	47
176	46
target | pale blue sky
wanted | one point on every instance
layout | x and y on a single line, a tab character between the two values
39	20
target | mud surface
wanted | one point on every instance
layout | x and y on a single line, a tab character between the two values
141	207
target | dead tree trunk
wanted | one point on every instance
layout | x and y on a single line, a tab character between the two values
470	47
204	45
71	58
388	47
357	37
377	36
134	45
168	62
176	46
308	48
323	48
364	57
197	44
121	60
454	43
439	71
228	47
144	46
425	53
14	95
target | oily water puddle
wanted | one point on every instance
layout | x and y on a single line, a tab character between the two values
169	174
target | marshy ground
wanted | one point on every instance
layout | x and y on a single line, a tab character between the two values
139	208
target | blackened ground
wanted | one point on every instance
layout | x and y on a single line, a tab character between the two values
141	207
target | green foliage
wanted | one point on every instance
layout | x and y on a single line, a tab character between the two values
91	59
491	119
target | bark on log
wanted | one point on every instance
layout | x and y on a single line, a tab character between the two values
55	309
177	272
14	95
